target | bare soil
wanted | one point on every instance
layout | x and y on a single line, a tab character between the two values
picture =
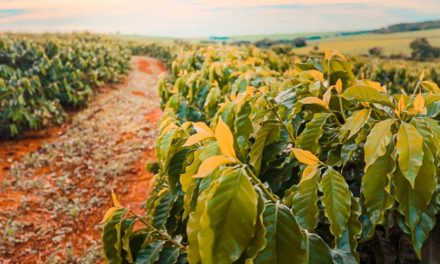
55	184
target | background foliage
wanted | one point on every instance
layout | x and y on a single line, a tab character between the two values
264	158
42	75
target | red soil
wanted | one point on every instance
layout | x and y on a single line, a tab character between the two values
136	183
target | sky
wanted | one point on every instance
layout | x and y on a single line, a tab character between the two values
204	18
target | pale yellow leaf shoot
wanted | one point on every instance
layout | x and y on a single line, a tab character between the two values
116	203
305	157
109	214
419	105
210	164
203	132
400	106
314	100
309	172
225	139
338	86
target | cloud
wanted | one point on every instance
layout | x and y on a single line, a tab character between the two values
197	18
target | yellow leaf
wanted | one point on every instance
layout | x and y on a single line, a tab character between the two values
317	75
309	172
314	100
210	164
422	76
162	191
338	86
358	121
400	106
328	55
419	105
338	54
202	128
203	132
376	86
431	86
250	90
196	138
225	139
305	156
365	104
109	214
327	96
115	200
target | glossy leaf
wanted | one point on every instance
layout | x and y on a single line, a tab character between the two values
374	184
225	139
336	201
377	141
285	240
149	252
228	222
211	164
366	94
305	156
309	138
409	147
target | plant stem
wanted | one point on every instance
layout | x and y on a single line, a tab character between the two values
342	109
269	194
164	235
272	108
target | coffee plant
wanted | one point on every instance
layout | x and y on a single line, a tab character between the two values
269	159
41	75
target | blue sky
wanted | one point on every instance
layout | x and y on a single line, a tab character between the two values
201	18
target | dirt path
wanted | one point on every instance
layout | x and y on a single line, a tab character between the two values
55	187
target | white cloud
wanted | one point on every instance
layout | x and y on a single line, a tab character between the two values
210	17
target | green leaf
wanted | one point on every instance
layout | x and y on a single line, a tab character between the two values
309	138
374	184
286	243
367	94
169	255
259	241
318	251
409	147
243	128
424	128
111	237
354	123
193	227
127	228
414	201
377	141
261	138
305	204
348	242
175	168
426	223
162	210
227	224
336	201
149	252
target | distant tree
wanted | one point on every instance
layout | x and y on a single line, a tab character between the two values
299	42
376	51
423	51
267	43
281	49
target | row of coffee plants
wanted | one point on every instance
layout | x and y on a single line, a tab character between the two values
396	74
164	53
263	159
41	74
